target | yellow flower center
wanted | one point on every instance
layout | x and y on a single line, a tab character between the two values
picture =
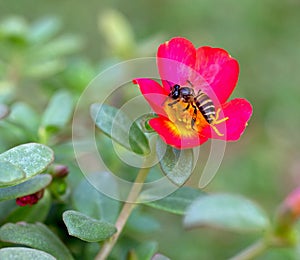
183	118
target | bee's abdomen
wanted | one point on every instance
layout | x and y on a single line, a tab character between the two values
206	107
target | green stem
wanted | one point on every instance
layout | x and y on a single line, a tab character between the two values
252	251
124	214
43	135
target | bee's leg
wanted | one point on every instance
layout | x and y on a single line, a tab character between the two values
173	103
188	106
193	121
194	117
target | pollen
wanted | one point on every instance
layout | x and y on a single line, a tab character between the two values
182	118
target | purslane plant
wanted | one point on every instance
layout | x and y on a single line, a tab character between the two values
191	106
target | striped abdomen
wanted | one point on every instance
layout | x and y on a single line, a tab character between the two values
206	107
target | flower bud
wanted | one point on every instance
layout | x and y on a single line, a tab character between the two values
288	213
59	171
30	199
291	205
58	187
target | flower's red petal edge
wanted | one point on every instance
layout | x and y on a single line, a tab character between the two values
238	111
175	59
153	93
219	70
167	131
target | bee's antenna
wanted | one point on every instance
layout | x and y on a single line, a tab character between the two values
188	81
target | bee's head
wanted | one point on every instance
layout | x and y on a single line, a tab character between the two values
175	92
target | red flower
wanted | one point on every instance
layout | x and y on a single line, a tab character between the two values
208	71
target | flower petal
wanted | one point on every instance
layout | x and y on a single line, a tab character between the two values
219	70
176	60
171	135
153	93
238	111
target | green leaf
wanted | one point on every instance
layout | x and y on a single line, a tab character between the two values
117	31
118	126
23	115
228	212
138	141
280	253
178	201
79	73
31	159
44	69
146	250
143	122
90	250
36	236
142	222
24	254
4	111
64	45
10	174
32	213
14	28
86	228
42	30
58	111
100	207
29	187
176	164
6	207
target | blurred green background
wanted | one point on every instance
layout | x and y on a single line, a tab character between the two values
262	35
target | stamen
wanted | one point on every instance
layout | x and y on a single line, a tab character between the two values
216	122
216	130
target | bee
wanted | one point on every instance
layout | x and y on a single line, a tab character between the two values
200	102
